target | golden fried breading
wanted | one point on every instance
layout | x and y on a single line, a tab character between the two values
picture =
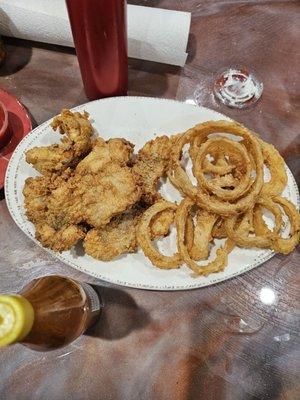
119	236
160	225
202	234
219	231
90	198
77	128
58	240
220	167
103	195
54	226
152	162
77	142
64	208
118	150
225	181
121	150
114	239
50	159
101	187
35	192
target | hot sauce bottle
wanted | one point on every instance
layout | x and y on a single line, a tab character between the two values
48	313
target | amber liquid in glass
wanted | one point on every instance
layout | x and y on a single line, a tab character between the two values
63	310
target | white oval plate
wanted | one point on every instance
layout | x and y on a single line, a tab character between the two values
137	119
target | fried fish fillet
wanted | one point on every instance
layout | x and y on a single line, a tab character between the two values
114	239
77	129
152	162
114	150
53	228
91	198
35	192
74	145
58	240
119	236
50	159
111	191
101	186
121	150
100	190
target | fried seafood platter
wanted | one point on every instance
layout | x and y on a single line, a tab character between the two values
105	195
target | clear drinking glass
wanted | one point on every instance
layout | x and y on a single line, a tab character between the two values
237	87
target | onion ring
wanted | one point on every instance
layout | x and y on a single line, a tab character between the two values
144	237
279	244
221	259
240	235
276	165
260	227
287	245
225	181
221	167
197	237
180	179
219	231
202	235
233	147
189	233
231	162
224	163
160	224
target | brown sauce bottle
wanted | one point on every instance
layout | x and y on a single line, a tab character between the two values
63	309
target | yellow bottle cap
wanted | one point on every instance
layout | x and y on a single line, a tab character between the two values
16	318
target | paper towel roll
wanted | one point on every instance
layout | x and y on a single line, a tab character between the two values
153	34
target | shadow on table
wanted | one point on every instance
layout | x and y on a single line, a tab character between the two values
17	57
19	52
191	48
151	3
149	78
120	315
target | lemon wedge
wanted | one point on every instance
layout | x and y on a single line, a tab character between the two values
16	318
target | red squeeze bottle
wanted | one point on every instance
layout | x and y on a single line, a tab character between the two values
100	37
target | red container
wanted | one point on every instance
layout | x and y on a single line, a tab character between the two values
5	133
100	37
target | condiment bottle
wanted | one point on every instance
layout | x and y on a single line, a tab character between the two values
48	313
100	37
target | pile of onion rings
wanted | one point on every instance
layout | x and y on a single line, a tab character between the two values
228	201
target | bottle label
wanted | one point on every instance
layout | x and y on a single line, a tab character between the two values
93	297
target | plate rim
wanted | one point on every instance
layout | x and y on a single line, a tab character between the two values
266	255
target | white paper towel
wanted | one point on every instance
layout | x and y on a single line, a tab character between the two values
153	34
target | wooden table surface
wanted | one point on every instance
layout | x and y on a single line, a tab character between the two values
228	341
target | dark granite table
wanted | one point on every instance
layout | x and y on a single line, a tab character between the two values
238	340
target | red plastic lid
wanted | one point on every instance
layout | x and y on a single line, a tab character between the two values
19	124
